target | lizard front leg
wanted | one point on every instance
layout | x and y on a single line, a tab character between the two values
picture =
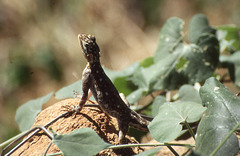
78	108
87	82
83	101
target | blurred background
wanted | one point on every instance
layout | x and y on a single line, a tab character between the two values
40	53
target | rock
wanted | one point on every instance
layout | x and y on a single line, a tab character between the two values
93	117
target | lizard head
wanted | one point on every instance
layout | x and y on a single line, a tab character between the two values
90	48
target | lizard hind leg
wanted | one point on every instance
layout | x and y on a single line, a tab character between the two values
123	129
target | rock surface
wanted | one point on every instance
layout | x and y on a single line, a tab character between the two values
105	126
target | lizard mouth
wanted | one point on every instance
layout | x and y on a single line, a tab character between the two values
83	45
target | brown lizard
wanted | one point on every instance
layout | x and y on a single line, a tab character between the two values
103	90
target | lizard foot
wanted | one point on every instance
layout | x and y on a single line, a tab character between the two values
72	109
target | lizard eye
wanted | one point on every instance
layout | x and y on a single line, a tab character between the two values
91	38
86	44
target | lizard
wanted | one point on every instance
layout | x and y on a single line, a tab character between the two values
103	90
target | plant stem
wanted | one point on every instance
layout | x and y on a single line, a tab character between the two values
53	154
189	129
148	144
11	139
172	150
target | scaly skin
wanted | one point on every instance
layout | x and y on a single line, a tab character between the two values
103	90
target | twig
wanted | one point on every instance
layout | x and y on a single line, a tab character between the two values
36	130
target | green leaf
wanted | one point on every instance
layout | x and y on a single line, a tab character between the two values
198	27
232	62
68	91
135	96
170	37
141	78
166	126
150	152
123	73
26	114
181	64
222	115
124	85
121	78
177	63
147	62
229	38
83	141
158	101
189	93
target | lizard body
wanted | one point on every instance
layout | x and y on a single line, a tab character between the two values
103	90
